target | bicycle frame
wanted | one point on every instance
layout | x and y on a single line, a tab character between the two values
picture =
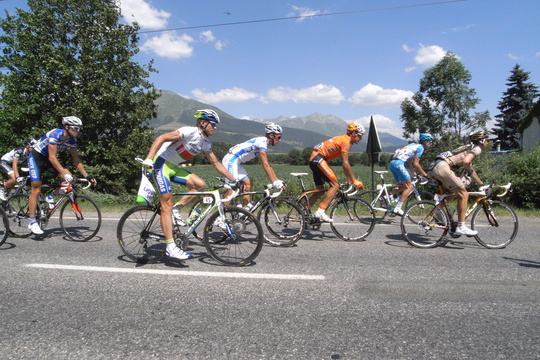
68	194
383	191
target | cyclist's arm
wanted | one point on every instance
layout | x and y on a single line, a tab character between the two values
347	167
416	165
170	136
218	165
79	165
266	166
14	166
53	152
467	164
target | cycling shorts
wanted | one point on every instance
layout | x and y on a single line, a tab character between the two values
165	172
234	167
399	170
321	170
5	167
443	172
39	163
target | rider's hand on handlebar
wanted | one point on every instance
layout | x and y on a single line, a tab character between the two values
279	184
92	180
422	179
68	177
358	184
148	163
21	180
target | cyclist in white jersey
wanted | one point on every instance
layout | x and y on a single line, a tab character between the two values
166	153
250	149
407	159
9	165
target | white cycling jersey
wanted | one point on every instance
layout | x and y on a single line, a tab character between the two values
408	152
192	143
247	150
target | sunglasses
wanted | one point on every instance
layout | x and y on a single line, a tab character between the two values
76	128
214	125
277	137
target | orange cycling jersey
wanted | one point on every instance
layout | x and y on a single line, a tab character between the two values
332	148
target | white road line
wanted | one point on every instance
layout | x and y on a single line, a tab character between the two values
180	272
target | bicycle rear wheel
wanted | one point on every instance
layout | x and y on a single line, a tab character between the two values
140	236
496	223
424	224
80	219
369	196
284	221
353	219
235	240
4	226
17	213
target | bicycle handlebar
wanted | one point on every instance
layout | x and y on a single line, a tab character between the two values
486	188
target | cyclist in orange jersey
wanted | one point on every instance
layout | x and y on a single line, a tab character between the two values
318	163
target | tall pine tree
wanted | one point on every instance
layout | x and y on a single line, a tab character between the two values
72	57
516	103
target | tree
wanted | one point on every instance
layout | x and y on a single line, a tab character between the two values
516	103
72	57
443	104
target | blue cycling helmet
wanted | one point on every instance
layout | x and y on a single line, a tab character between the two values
426	137
207	114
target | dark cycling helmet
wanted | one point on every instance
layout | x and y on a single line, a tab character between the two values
273	129
478	135
31	142
426	137
71	121
207	114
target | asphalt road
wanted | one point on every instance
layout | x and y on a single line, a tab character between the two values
322	299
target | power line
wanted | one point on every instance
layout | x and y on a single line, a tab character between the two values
303	16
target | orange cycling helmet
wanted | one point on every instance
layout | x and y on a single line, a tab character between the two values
354	126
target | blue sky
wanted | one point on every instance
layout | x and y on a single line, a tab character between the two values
353	65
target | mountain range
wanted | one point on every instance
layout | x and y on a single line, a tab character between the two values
175	111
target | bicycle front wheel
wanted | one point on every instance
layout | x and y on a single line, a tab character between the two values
81	218
380	206
4	226
425	224
353	219
496	223
234	240
17	213
284	221
140	236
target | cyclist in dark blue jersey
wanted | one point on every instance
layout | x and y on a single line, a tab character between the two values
44	158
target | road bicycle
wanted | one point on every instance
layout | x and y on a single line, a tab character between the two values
384	204
353	218
427	224
4	226
21	187
79	217
280	216
232	236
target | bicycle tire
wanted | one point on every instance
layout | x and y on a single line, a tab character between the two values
80	220
369	196
4	226
353	218
497	225
425	225
140	236
286	225
245	243
18	217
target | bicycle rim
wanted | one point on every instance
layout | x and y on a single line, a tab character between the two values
497	224
17	213
235	240
140	236
284	222
353	219
424	225
380	207
80	219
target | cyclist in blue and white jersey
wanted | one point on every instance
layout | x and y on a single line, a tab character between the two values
9	165
44	158
407	159
166	153
249	150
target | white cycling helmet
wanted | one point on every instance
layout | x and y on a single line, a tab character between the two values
273	129
207	114
71	121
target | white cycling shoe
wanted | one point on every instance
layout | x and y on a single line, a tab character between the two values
35	229
321	215
463	230
178	253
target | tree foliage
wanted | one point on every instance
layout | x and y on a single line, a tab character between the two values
443	104
72	57
516	103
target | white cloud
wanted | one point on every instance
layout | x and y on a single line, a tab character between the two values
147	16
538	54
227	95
208	37
514	57
410	68
383	124
407	48
304	12
374	95
319	94
170	45
462	28
429	55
